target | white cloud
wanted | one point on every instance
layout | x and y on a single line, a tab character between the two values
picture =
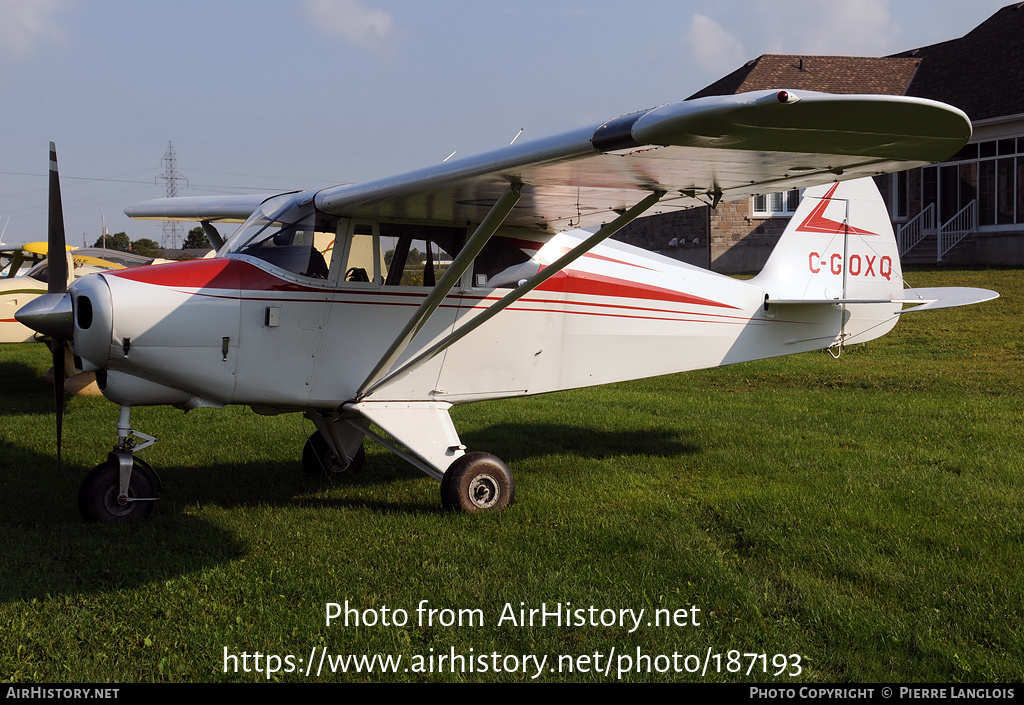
862	28
25	21
713	47
865	27
352	21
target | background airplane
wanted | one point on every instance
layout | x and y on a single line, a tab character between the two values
400	322
16	289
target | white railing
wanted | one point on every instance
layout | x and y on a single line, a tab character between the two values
916	229
957	228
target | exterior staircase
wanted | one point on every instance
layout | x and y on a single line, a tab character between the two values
920	242
926	249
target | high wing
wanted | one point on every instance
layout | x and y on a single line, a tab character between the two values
219	209
14	258
698	151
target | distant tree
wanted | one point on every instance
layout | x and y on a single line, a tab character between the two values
197	240
117	241
146	247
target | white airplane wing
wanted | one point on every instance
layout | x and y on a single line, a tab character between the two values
697	151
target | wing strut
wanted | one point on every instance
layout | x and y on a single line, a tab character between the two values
532	283
212	235
488	226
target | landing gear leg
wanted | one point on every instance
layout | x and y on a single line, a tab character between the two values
335	449
318	458
422	433
123	488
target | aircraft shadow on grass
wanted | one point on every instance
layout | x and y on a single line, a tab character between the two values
284	484
25	391
532	440
47	550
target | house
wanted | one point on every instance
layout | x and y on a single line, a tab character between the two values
967	210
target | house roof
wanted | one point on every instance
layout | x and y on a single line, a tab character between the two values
982	73
829	74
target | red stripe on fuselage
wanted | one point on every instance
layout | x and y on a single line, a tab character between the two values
598	285
220	273
232	274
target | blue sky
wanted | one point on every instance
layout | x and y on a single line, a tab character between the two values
286	94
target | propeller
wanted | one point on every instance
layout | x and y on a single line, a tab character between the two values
51	313
57	283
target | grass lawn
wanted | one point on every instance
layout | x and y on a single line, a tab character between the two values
851	520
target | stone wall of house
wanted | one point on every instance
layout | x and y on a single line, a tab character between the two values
738	242
688	228
741	242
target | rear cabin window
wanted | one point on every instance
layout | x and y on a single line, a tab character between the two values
418	255
502	265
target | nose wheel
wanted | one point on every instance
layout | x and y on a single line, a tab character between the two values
100	498
122	488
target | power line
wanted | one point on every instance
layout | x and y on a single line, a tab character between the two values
63	177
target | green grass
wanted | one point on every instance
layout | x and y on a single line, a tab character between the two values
864	513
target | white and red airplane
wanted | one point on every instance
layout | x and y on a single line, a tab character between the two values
376	305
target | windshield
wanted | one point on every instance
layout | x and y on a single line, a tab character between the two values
38	272
284	231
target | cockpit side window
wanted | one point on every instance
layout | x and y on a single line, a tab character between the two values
362	254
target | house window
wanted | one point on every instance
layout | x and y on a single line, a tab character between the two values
990	173
772	204
1020	183
900	195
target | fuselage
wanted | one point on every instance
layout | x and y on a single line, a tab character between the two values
238	330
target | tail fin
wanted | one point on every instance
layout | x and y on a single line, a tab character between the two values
840	250
838	245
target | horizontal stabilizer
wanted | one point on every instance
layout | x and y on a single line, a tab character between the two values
917	299
819	302
946	297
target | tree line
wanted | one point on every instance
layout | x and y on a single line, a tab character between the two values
196	240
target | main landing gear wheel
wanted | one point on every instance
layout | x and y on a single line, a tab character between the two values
97	496
318	458
477	482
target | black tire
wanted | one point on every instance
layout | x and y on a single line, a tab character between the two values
97	495
477	482
319	459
